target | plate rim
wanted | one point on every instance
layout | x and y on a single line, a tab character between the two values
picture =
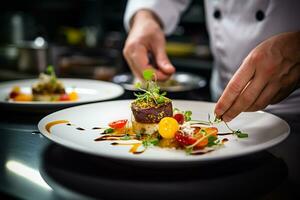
191	159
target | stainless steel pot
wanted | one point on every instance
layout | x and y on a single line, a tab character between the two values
27	57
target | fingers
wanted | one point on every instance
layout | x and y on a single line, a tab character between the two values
246	98
235	86
163	63
288	84
136	54
266	96
137	59
260	92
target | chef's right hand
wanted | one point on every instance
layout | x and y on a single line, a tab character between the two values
146	37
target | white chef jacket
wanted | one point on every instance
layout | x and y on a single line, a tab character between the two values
235	27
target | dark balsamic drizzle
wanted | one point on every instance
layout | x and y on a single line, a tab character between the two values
138	152
133	149
222	134
201	152
225	140
80	129
68	124
97	128
109	137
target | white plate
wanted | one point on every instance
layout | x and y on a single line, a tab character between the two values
264	129
88	91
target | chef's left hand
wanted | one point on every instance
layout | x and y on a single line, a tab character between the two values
268	74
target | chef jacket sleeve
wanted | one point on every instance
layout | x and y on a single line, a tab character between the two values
168	11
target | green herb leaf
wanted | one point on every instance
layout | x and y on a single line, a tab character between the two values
164	94
150	142
138	85
212	140
50	70
138	136
145	143
126	137
240	134
148	74
187	115
154	141
108	130
53	79
160	100
188	150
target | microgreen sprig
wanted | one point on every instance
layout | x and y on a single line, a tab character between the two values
238	132
151	91
150	142
50	71
210	122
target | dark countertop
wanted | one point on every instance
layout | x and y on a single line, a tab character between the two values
32	167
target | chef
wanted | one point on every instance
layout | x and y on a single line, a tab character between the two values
255	45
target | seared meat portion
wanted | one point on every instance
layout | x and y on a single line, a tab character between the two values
150	112
48	86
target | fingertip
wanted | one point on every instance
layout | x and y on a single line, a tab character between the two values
161	76
225	118
164	64
166	68
169	68
219	111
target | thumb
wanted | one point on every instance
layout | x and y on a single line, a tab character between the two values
162	61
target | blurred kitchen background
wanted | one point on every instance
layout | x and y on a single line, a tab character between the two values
84	39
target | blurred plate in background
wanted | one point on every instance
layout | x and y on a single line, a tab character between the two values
179	82
88	91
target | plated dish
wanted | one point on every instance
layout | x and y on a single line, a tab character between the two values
84	90
48	88
149	128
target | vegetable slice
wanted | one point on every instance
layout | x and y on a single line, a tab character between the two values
118	124
167	127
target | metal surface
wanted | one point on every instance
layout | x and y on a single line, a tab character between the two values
179	82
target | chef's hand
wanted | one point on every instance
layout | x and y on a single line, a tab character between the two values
147	38
268	74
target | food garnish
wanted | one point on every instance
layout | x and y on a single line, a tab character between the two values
118	124
47	88
152	93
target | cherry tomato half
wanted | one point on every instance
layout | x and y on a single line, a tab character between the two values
118	124
179	118
186	140
64	97
183	139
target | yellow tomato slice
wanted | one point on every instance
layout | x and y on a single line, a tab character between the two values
73	96
167	127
